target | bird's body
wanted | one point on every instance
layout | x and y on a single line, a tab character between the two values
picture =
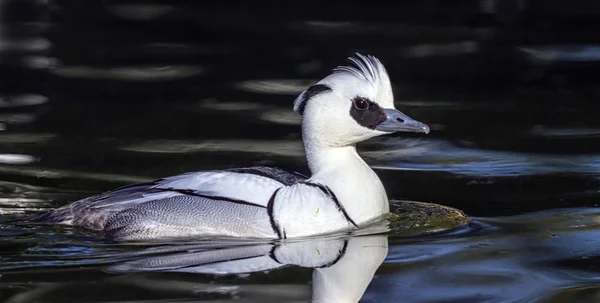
343	193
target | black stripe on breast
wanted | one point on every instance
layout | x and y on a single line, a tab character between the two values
190	192
274	223
325	189
279	175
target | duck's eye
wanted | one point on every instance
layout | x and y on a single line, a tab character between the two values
361	103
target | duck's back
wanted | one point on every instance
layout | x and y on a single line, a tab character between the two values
228	198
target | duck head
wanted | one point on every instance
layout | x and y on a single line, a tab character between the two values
352	104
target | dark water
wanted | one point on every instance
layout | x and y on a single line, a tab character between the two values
97	94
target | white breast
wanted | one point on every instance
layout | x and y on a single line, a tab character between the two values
303	210
355	184
361	192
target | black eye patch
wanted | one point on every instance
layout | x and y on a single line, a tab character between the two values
366	112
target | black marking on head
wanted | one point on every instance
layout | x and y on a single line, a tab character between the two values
325	189
274	223
277	174
366	112
309	93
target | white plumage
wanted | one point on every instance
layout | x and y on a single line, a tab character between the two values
351	105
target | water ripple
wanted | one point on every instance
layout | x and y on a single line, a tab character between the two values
130	73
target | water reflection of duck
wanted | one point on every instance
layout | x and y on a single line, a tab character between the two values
342	267
351	105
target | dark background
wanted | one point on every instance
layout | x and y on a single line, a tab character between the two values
515	77
98	94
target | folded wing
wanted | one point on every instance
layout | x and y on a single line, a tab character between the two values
230	192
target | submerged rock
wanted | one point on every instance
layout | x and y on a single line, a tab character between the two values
413	218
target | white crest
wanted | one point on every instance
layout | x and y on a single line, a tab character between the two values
365	68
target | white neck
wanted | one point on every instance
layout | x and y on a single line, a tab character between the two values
354	183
